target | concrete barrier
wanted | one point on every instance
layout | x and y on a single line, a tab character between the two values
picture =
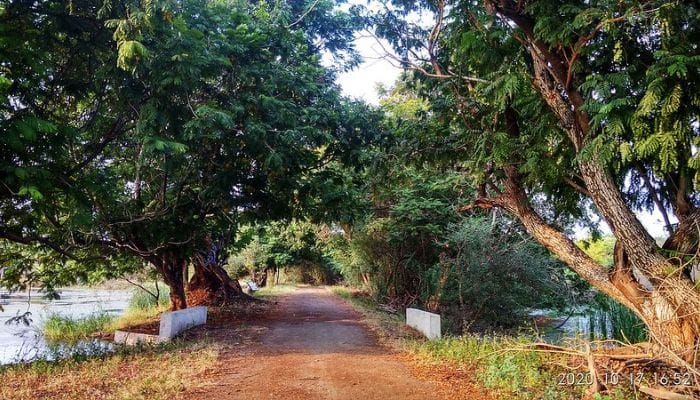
424	322
174	322
171	324
133	338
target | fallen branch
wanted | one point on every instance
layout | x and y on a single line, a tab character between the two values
663	394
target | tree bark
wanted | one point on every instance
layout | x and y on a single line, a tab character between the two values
210	283
171	267
642	279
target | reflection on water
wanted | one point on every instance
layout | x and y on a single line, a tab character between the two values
580	323
19	342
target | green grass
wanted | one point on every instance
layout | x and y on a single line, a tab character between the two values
142	300
500	364
626	326
60	329
358	298
143	308
272	291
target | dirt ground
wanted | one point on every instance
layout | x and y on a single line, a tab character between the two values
311	345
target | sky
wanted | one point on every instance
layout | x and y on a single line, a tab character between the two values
375	70
362	83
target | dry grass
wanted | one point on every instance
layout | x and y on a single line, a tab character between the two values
137	316
150	374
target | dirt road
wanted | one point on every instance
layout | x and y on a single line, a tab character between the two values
312	347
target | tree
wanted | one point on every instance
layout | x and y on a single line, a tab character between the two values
569	105
204	114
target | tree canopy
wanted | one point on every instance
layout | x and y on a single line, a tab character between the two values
150	130
555	108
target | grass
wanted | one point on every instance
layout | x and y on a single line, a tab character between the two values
143	308
141	372
148	373
389	328
499	363
70	330
356	297
142	300
273	291
624	324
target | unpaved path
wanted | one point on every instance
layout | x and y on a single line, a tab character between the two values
312	347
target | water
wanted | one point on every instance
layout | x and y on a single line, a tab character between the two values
19	343
581	323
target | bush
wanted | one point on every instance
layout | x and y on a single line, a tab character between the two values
490	275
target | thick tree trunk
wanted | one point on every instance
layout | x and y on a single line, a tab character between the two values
171	267
210	283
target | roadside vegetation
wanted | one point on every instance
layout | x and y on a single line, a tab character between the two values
68	330
143	308
207	141
165	372
507	365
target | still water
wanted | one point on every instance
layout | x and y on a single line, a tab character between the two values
19	342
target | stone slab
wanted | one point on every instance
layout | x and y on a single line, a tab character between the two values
174	322
424	322
133	338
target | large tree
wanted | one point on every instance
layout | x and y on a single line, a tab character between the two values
174	122
557	107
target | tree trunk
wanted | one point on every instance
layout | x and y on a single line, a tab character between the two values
171	267
643	278
654	287
210	283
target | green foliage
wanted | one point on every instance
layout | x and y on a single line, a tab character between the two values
204	116
296	250
489	274
600	250
417	249
68	330
623	323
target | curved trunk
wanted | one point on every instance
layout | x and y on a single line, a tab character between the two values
643	279
663	296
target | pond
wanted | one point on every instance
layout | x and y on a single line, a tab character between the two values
19	342
587	324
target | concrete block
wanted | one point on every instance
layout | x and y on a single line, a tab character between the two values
424	322
133	338
174	322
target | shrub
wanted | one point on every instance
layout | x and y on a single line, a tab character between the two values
492	274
